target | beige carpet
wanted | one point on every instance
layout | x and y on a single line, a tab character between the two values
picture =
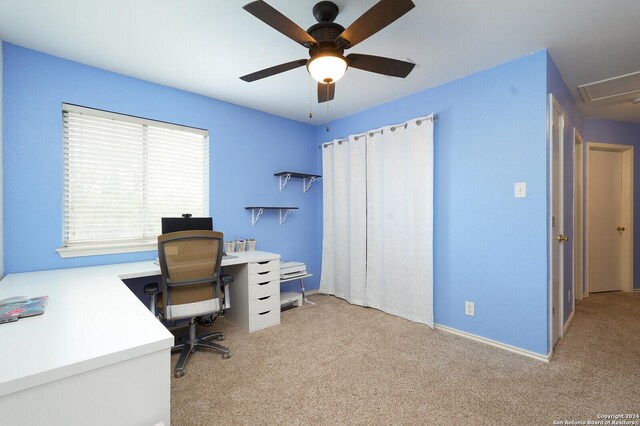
335	363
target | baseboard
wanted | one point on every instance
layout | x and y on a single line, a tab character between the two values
308	292
566	326
494	343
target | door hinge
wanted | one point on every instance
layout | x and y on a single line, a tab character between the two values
553	311
553	221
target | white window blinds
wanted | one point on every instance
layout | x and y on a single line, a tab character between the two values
123	173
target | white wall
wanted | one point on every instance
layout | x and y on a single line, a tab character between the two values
1	171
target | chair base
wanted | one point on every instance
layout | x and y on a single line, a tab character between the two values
189	345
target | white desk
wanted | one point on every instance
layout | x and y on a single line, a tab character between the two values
97	356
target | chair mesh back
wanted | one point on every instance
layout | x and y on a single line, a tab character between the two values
190	256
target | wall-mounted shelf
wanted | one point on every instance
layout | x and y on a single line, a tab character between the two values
307	179
256	212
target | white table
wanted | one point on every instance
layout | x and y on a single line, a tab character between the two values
97	356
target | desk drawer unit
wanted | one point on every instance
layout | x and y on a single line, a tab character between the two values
264	294
255	293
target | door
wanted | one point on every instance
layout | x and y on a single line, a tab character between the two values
605	220
557	220
609	216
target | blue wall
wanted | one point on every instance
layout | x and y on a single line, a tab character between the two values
490	248
572	119
247	147
616	132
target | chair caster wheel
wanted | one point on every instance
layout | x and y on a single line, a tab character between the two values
226	356
220	338
179	373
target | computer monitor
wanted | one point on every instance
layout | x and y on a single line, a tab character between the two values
186	223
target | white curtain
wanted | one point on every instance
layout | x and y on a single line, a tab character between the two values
344	238
400	221
378	220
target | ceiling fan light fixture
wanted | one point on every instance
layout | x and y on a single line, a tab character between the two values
327	68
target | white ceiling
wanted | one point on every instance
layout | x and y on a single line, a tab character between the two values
203	46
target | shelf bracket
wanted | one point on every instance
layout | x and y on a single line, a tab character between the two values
306	185
283	182
286	213
255	217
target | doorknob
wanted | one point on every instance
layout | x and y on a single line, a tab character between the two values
562	238
620	228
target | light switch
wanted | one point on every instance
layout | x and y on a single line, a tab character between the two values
520	190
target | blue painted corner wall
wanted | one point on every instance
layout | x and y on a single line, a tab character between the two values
572	119
246	146
489	247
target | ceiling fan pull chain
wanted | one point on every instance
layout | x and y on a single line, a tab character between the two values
310	95
327	116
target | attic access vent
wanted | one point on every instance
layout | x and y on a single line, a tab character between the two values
627	84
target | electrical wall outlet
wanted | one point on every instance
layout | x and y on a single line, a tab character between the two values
520	189
470	309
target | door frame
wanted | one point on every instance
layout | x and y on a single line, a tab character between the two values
578	216
554	105
627	210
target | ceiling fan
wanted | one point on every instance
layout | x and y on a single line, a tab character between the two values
327	42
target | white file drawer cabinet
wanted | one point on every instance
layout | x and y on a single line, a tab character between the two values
255	292
264	294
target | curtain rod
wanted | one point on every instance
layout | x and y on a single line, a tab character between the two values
432	117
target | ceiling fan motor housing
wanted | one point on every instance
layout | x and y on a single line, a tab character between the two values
326	32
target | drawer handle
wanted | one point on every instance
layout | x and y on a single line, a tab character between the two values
264	263
263	273
264	298
264	283
264	313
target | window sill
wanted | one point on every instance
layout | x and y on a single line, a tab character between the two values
98	250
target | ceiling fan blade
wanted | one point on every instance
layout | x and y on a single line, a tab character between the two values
380	65
373	20
268	72
278	21
326	92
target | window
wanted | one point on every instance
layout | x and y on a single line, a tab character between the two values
122	174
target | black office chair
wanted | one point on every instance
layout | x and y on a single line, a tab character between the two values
190	264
